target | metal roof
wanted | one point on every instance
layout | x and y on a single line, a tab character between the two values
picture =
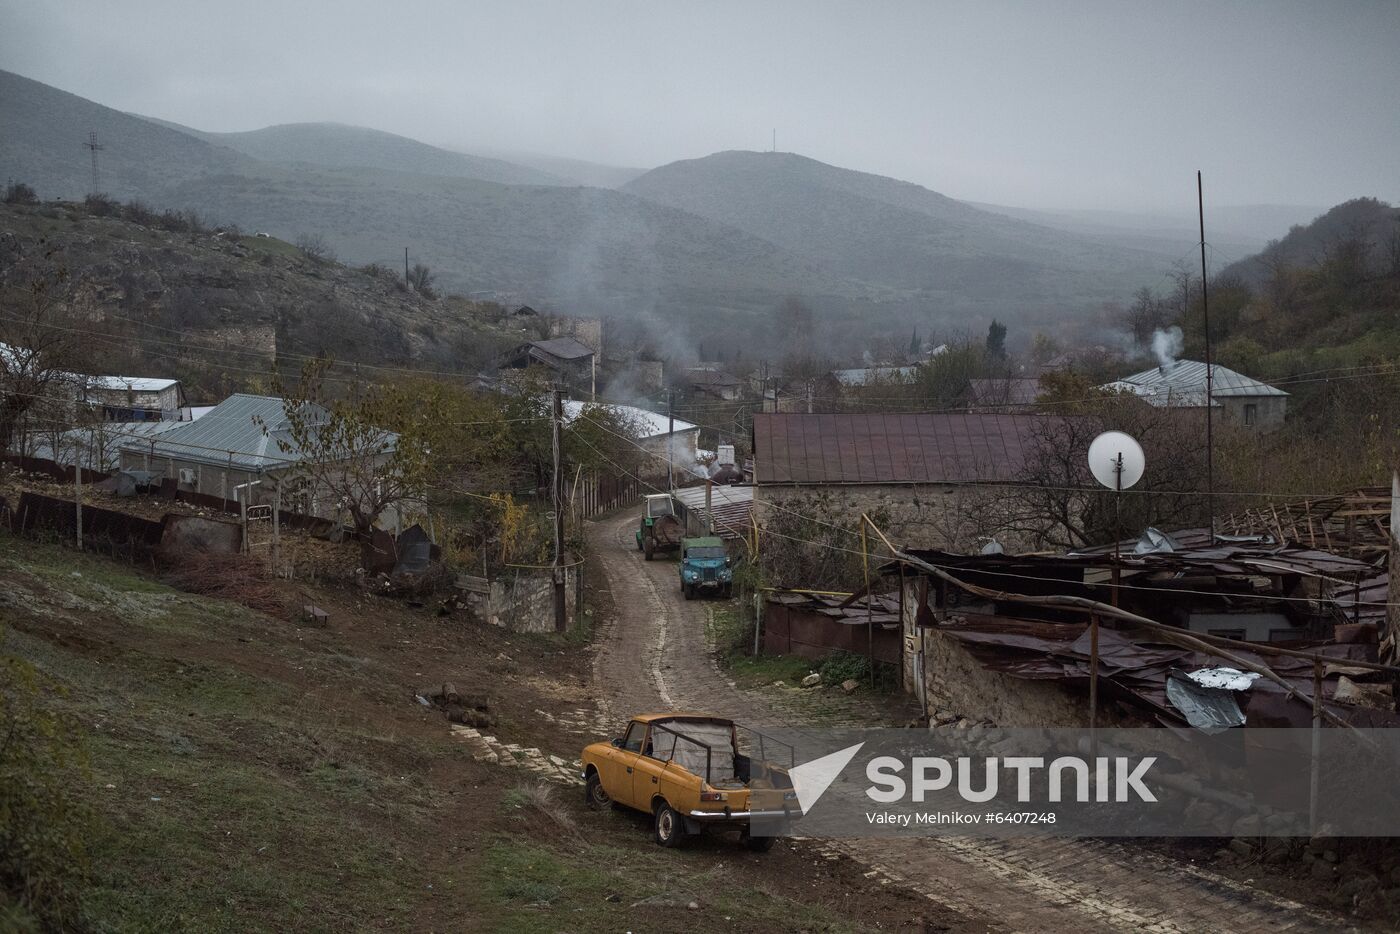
648	424
1186	379
732	507
130	383
565	348
229	436
894	448
875	375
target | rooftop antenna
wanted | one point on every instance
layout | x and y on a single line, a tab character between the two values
93	145
1205	323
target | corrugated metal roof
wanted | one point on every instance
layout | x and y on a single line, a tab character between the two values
131	383
1185	379
893	448
732	507
228	435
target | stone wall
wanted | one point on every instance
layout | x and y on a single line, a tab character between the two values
524	600
953	685
1269	411
950	517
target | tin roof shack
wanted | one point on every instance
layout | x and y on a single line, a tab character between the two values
569	360
1182	384
986	654
135	398
228	456
933	479
814	626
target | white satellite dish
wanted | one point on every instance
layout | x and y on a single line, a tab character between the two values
1116	460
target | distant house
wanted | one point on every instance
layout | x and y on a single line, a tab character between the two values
1182	384
654	432
229	455
135	398
935	477
1009	394
570	360
713	382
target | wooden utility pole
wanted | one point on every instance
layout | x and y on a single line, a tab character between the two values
1205	324
561	616
405	265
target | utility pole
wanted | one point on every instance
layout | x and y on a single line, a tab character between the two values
1205	323
670	437
95	147
561	616
405	265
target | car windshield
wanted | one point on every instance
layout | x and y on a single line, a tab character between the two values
706	551
658	507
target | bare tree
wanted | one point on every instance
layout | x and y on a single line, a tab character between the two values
37	345
315	247
1146	314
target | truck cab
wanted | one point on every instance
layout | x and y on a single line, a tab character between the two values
705	566
660	528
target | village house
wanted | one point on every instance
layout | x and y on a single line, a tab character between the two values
568	360
1003	394
232	454
135	398
934	478
711	381
1246	402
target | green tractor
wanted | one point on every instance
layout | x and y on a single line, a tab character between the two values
661	528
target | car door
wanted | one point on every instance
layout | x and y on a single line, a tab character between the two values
616	774
649	766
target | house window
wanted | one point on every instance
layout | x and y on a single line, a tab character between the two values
1228	633
1251	415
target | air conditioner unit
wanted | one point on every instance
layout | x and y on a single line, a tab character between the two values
187	476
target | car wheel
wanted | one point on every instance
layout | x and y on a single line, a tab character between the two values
685	589
758	844
594	794
670	826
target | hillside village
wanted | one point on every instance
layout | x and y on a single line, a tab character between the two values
324	571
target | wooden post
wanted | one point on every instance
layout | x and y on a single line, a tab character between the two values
1093	685
869	621
757	620
78	498
1315	767
277	527
709	511
243	516
561	616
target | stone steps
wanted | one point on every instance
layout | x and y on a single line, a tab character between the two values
486	748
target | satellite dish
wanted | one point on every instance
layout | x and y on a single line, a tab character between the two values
1116	460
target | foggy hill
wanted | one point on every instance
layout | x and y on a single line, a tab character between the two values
340	146
572	171
896	233
43	129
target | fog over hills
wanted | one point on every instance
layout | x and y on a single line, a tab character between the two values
698	245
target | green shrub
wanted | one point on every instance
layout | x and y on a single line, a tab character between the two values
845	666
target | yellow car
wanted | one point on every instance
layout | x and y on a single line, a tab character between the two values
687	770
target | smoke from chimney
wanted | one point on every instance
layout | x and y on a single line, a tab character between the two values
1166	345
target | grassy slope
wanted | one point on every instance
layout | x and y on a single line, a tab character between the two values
251	775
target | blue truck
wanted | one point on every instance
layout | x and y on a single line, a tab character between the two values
705	565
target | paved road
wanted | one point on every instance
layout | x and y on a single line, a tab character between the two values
654	655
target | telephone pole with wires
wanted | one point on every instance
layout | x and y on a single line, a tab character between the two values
561	614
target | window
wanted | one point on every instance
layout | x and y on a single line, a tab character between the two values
1251	414
1228	633
636	731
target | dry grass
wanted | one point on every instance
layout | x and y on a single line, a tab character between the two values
235	578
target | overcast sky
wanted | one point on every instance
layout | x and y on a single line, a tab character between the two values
1108	104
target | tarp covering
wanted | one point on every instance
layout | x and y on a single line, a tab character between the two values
1210	710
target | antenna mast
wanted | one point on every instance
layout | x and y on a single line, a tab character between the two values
93	145
1205	322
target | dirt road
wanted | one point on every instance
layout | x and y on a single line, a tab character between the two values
654	655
